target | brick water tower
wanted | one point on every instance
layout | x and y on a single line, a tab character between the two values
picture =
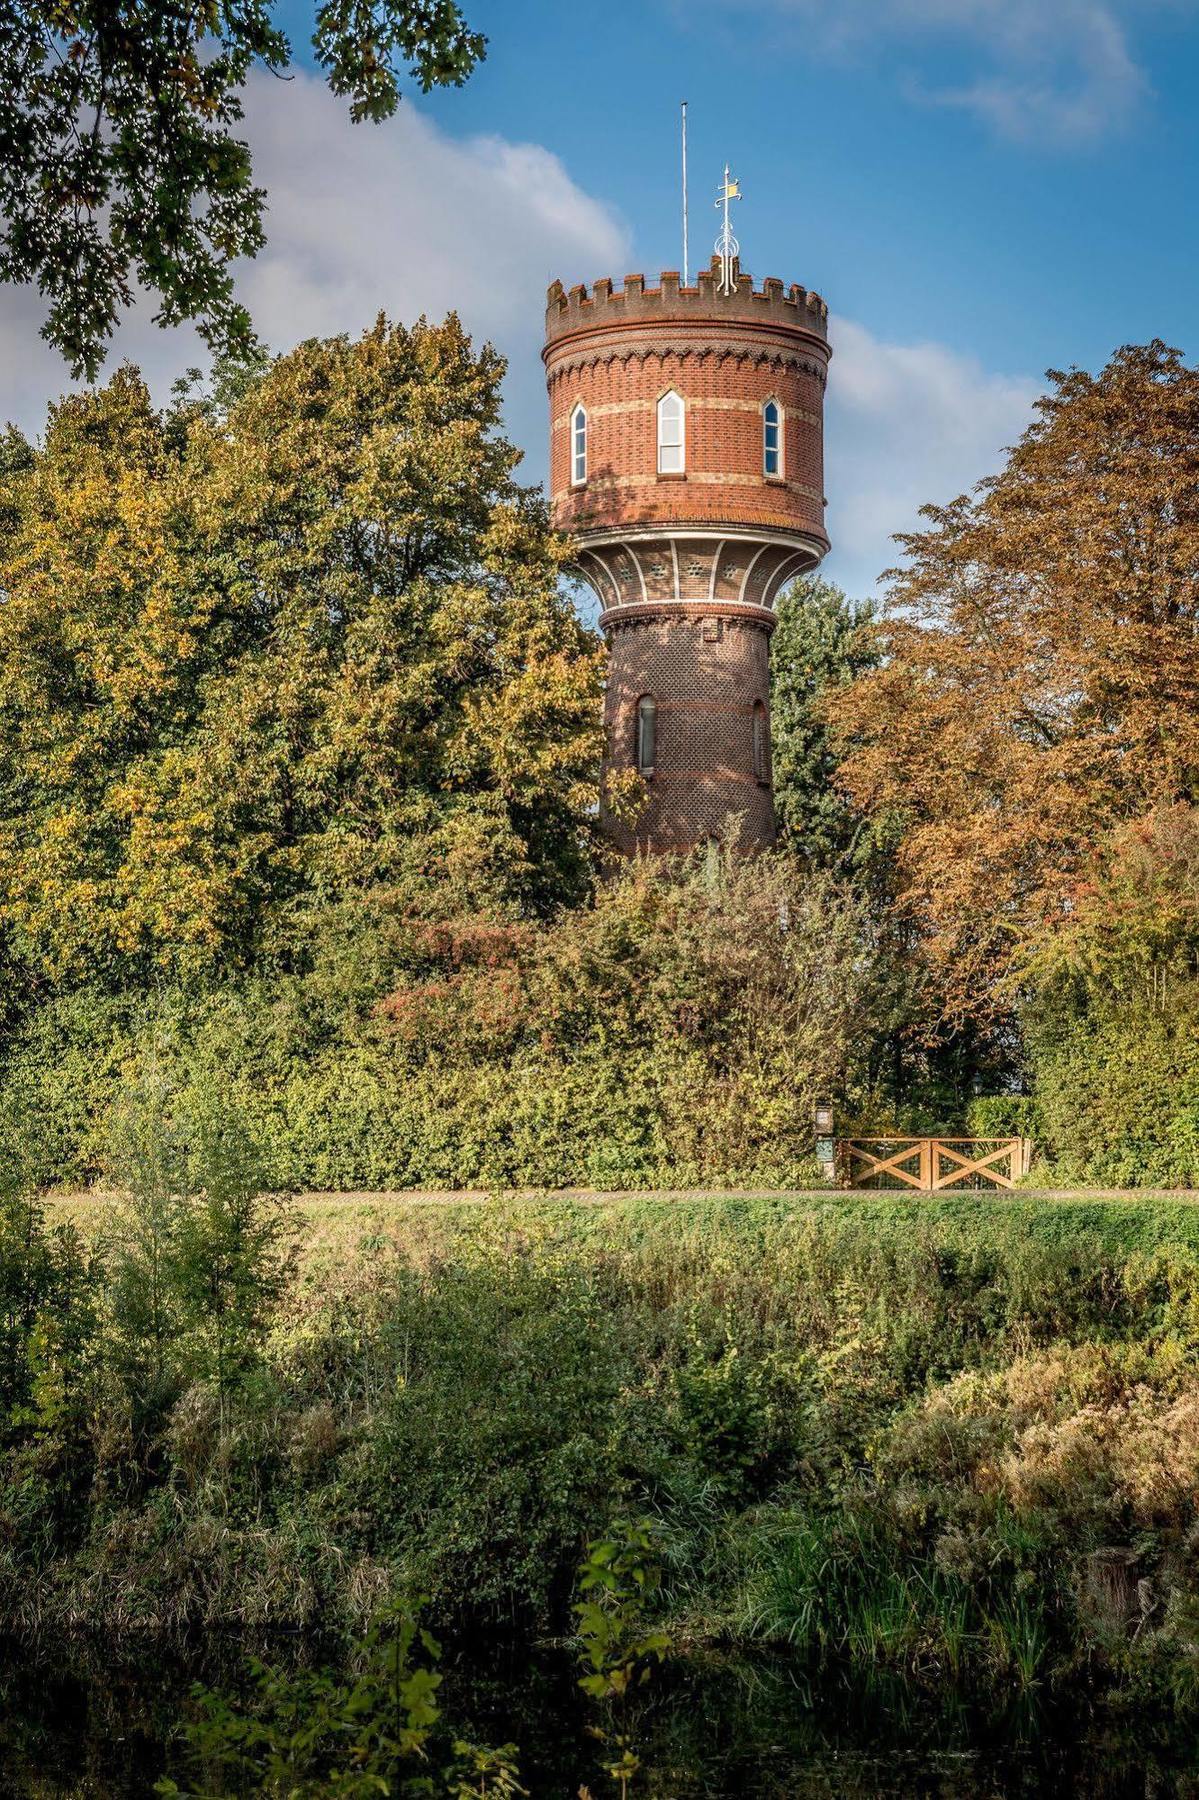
686	459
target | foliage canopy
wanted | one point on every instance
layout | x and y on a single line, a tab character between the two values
822	642
261	658
1039	692
118	162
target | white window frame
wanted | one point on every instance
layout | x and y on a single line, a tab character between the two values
672	453
578	451
777	473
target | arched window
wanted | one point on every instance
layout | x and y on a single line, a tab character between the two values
671	449
578	446
759	731
647	733
772	438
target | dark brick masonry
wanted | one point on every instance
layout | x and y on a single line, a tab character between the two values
706	670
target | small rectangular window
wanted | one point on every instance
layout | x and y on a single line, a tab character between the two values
647	734
759	741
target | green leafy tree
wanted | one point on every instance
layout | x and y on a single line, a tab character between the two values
824	648
147	1163
822	642
231	1256
119	165
199	1247
260	659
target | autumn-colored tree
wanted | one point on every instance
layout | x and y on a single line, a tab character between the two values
256	660
1134	916
1040	685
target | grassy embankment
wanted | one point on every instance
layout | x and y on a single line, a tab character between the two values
956	1437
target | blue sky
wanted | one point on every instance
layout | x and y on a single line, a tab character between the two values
980	188
1048	230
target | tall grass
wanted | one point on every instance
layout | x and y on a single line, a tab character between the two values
872	1435
830	1587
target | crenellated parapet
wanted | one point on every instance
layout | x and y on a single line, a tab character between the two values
606	305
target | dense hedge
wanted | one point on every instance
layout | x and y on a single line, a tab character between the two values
346	1106
1117	1082
674	1032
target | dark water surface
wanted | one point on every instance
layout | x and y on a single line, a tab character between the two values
712	1728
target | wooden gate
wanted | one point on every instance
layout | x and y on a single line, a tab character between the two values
932	1165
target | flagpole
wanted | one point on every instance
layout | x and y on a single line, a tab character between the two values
685	270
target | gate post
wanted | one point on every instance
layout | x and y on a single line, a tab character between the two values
927	1153
826	1149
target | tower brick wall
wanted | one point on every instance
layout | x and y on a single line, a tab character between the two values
706	671
687	564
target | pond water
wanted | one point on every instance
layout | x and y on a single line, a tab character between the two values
713	1728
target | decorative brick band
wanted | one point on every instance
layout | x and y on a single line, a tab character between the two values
603	484
641	612
662	347
616	409
752	530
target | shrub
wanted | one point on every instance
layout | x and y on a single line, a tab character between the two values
676	1032
1003	1115
1117	1081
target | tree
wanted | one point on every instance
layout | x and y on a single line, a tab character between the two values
1039	683
261	661
697	1009
822	642
118	163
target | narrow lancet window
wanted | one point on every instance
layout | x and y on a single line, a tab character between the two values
772	438
647	733
578	446
759	741
671	447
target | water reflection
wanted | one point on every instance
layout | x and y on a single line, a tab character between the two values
715	1727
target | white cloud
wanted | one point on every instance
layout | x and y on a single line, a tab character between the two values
405	218
1056	70
399	217
906	424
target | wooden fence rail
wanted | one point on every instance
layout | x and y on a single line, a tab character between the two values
932	1165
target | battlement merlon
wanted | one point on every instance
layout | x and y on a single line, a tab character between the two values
773	304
